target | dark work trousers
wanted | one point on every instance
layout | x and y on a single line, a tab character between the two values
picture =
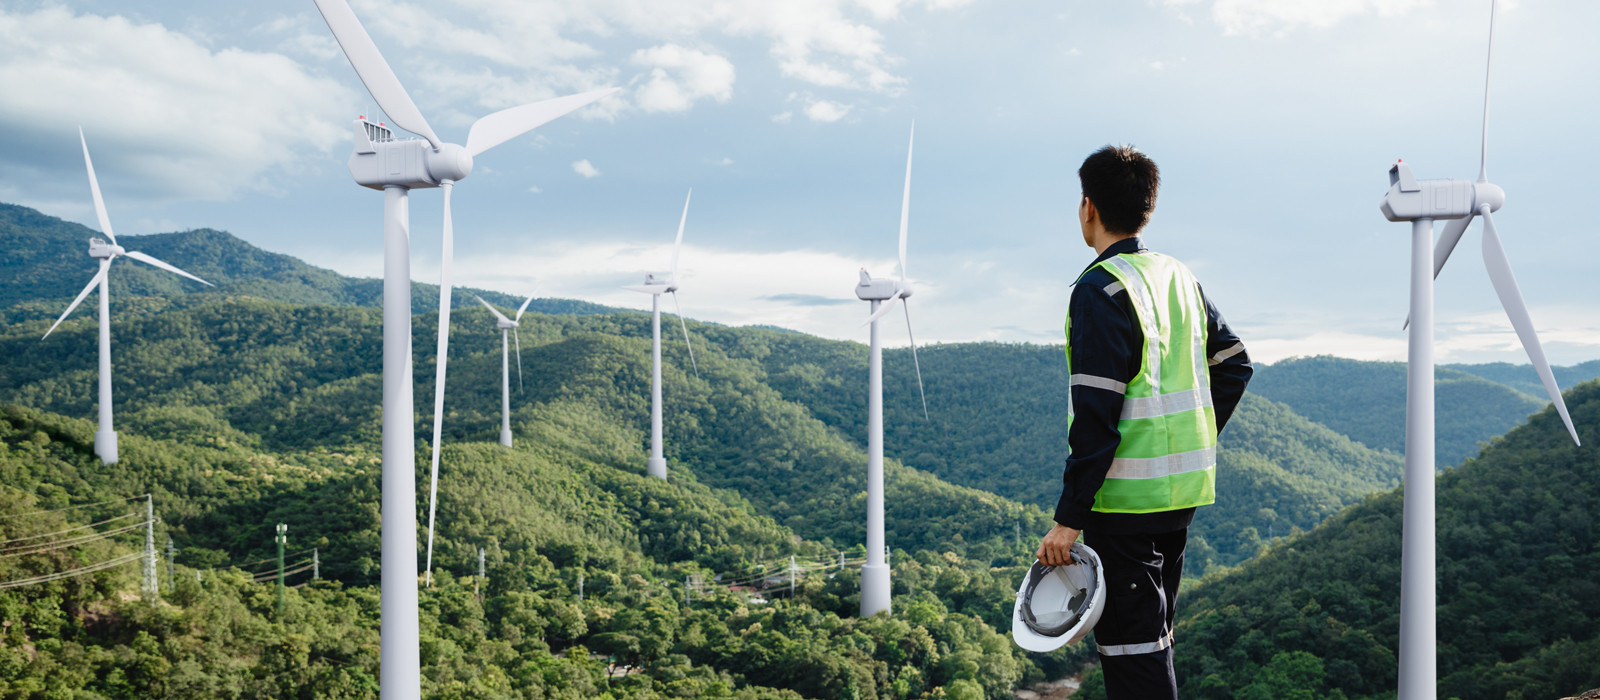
1134	634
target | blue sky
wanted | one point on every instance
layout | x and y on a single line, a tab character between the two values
1274	122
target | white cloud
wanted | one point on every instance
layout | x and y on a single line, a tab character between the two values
782	117
825	111
1255	17
585	168
548	42
535	189
725	161
165	116
679	76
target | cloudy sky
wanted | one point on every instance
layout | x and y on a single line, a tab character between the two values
1274	122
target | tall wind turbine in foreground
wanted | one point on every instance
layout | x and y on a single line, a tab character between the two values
105	439
507	325
1421	202
657	464
884	294
395	166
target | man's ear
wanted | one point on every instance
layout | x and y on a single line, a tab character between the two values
1090	213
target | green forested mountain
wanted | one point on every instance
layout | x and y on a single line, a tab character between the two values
1367	402
1519	585
997	421
1523	378
46	262
565	503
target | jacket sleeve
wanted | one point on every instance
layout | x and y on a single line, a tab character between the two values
1104	344
1230	364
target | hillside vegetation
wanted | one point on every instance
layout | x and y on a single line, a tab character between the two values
1519	585
1367	402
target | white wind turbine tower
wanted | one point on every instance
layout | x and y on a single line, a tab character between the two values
396	167
884	293
105	439
507	325
1421	202
656	466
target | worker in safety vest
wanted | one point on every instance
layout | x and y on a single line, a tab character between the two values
1155	374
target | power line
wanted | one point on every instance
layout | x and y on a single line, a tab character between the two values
73	542
70	529
46	578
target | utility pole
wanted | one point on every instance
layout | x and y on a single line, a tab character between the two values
580	585
841	560
686	591
792	570
171	551
316	564
149	589
477	586
282	539
1016	529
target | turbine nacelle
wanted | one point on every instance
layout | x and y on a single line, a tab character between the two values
98	248
505	325
1409	199
380	160
881	289
653	286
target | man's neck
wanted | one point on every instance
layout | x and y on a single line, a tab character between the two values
1104	239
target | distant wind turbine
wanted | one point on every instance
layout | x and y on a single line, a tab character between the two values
105	439
507	325
656	466
884	293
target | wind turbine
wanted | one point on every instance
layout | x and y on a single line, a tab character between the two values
505	325
1422	202
105	439
656	466
883	293
396	167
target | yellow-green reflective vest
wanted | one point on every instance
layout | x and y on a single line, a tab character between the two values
1167	459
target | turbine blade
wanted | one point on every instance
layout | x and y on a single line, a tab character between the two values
686	342
104	266
446	260
646	288
148	260
94	188
524	306
374	72
679	244
914	362
1488	72
905	202
518	338
1447	243
507	124
1505	285
883	310
491	308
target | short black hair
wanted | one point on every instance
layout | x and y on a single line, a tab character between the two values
1122	183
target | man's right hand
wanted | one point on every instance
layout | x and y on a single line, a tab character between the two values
1056	547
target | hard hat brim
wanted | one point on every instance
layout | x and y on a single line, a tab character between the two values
1030	640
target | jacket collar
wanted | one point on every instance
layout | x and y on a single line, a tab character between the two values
1127	245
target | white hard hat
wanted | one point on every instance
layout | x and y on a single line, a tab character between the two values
1059	605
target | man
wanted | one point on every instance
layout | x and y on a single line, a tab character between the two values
1155	374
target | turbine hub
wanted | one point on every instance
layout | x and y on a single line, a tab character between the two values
451	162
1490	194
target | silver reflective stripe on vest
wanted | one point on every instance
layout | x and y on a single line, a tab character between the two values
1113	288
1235	349
1131	649
1090	380
1146	316
1134	408
1157	467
